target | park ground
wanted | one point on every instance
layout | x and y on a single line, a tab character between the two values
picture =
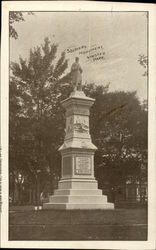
118	224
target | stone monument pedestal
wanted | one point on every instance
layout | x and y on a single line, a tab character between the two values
78	188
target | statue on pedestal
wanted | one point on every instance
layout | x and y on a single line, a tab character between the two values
77	188
76	75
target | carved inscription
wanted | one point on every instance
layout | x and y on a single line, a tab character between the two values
77	111
83	166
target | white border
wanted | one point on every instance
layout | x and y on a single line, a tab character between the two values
79	6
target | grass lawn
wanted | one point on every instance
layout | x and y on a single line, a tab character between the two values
118	224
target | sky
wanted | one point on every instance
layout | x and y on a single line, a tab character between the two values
119	36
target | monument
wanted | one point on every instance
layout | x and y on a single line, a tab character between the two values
77	188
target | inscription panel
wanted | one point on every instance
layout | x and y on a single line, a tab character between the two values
83	165
67	166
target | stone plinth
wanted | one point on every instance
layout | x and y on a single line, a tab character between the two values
78	188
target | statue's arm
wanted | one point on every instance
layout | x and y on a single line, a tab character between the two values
80	69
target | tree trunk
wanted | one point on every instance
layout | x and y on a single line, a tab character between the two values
34	196
19	194
30	196
13	194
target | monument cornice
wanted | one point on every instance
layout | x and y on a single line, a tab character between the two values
91	148
78	98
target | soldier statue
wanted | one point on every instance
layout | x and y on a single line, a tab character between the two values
76	75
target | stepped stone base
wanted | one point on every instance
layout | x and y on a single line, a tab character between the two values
67	206
74	194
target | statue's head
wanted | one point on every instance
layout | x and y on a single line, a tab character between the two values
76	59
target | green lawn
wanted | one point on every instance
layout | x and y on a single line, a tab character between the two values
118	224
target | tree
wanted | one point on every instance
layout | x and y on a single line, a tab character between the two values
119	130
35	112
143	60
15	16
